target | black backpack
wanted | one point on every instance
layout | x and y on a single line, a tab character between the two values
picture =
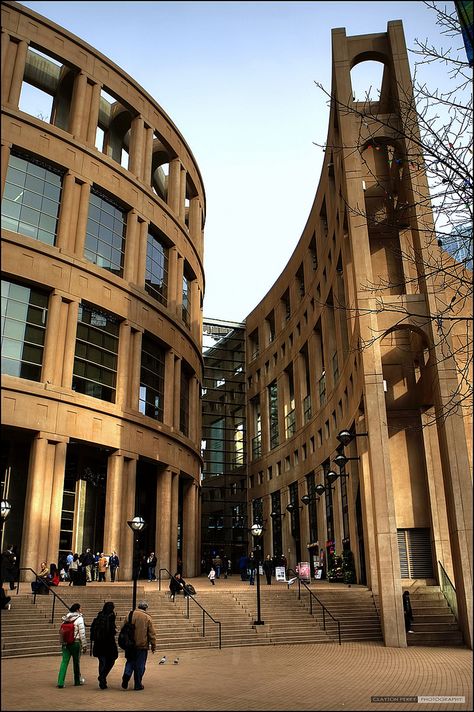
99	628
126	638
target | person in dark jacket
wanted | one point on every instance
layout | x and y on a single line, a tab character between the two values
407	611
9	567
104	647
267	568
177	584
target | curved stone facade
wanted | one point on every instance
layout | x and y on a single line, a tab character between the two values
344	341
102	286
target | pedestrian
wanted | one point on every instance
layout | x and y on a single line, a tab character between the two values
177	584
102	567
9	567
211	576
114	563
407	612
145	637
73	568
102	637
229	567
267	568
52	579
95	567
217	563
73	649
251	568
243	566
151	565
86	560
5	600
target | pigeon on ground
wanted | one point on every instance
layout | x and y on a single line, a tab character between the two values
163	660
175	662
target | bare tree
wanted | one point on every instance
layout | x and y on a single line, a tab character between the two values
432	139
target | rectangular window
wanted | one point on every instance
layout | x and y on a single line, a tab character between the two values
152	376
31	199
105	235
156	272
95	362
24	316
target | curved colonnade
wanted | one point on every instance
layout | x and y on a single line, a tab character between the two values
102	284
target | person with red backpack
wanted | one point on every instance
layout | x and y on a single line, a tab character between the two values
72	636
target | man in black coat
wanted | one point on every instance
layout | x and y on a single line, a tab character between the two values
103	638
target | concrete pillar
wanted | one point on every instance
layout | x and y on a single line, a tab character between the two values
128	512
53	330
114	520
174	186
55	503
189	516
168	405
300	389
33	521
179	286
137	138
173	285
148	155
6	148
141	253
131	247
163	513
64	232
78	105
69	343
177	392
83	213
174	521
195	221
18	72
93	118
123	364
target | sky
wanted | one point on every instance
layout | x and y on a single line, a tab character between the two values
238	81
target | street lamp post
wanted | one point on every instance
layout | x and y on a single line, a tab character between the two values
257	531
5	509
137	524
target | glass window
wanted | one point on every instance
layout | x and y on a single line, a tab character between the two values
105	236
24	315
95	362
186	307
31	199
152	376
156	274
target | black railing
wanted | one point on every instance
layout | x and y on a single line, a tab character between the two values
49	589
205	613
323	607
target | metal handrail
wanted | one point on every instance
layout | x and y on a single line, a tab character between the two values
50	590
448	590
204	612
311	596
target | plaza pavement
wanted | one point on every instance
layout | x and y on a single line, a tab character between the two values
280	677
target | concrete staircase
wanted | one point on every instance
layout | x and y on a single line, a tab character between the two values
353	607
433	624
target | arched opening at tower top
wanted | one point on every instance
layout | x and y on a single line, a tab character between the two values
366	80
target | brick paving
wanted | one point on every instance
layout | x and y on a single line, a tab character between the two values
281	677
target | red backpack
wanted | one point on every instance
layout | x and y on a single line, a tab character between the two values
66	633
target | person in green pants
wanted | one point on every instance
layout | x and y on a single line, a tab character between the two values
73	649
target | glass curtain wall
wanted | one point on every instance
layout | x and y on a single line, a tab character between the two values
224	446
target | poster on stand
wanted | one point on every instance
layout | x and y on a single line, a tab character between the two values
304	571
280	573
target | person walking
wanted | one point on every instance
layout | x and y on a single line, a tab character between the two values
151	564
114	563
212	576
73	649
103	643
73	568
251	568
145	637
87	561
267	568
9	567
407	612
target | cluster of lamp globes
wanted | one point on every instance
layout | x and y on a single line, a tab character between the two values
345	437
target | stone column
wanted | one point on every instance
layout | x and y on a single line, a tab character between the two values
148	155
93	119
69	343
135	368
123	365
172	279
114	520
128	512
66	218
55	504
141	252
300	388
168	405
194	410
189	516
177	392
174	521
6	148
131	247
83	214
78	105
18	72
174	186
195	221
179	287
53	343
163	514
